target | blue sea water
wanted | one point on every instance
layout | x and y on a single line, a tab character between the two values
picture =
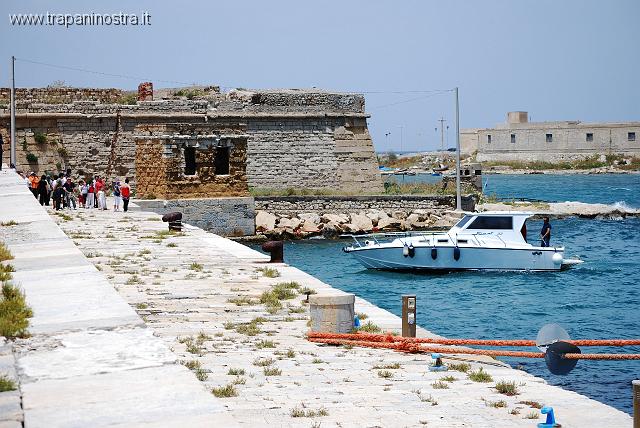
598	299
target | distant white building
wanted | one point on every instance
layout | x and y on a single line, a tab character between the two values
519	139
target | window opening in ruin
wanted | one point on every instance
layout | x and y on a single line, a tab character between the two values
549	138
189	161
589	136
631	136
222	161
489	139
513	138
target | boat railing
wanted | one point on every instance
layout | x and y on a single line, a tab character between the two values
377	235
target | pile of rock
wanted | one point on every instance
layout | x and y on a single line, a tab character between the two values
331	225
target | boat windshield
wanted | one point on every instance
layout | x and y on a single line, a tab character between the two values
464	221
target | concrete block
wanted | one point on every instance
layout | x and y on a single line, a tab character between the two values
332	313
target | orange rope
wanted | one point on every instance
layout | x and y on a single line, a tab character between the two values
411	345
487	342
602	356
416	348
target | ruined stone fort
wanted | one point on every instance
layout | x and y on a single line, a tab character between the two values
181	143
520	140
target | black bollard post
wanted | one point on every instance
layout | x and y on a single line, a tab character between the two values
174	219
276	249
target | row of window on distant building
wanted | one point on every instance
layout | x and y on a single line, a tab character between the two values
631	136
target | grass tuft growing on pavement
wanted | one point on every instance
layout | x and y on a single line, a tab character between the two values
14	312
460	367
480	376
269	272
7	384
507	388
225	391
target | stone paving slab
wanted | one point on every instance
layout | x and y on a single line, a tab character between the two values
160	395
92	352
80	299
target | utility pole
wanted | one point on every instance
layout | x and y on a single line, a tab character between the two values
12	156
400	126
442	121
458	190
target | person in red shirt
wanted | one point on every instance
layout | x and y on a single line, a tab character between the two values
125	191
99	184
90	196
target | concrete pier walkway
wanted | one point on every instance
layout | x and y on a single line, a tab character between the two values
92	362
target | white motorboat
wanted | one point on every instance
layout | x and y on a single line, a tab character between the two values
479	241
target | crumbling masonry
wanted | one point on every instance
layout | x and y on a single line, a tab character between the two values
289	138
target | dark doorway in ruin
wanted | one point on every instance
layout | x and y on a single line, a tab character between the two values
222	161
189	161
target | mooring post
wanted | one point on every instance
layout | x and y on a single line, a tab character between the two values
276	249
174	219
636	403
409	315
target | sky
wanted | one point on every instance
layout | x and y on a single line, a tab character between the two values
558	60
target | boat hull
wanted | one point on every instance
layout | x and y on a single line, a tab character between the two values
470	258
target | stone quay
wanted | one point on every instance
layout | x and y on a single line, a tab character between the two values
138	326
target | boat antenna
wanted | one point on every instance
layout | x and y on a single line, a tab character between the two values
458	192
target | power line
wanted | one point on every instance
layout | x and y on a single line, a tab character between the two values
410	100
138	78
101	73
405	92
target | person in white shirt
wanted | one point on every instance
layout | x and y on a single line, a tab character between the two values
102	200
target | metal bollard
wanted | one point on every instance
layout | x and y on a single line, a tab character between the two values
276	249
636	403
174	219
409	315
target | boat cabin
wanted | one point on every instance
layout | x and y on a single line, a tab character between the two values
510	225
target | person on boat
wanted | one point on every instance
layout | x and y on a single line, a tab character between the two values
545	233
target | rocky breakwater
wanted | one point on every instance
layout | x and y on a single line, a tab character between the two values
331	225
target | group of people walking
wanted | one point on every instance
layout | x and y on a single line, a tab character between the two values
66	193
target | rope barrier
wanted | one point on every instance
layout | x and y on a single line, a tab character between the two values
416	348
601	356
487	342
415	345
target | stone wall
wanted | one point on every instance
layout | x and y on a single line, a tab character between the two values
161	165
295	205
223	216
320	153
29	96
304	139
